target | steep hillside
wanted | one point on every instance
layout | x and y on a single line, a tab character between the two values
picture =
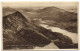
18	30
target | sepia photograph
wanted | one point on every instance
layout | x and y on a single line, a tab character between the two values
40	25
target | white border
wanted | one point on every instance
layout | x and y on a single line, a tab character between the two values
40	0
0	25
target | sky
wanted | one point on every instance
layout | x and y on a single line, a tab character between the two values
71	6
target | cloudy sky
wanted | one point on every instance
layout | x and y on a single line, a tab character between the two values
63	5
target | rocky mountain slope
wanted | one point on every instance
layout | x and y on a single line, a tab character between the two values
19	31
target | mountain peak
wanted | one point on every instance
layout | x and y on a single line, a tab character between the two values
15	16
51	9
17	12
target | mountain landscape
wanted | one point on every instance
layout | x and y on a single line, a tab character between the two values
22	28
59	18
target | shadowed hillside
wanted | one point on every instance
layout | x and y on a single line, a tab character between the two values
18	30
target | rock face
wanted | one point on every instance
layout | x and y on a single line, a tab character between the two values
19	32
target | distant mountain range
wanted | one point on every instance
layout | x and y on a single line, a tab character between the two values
59	18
